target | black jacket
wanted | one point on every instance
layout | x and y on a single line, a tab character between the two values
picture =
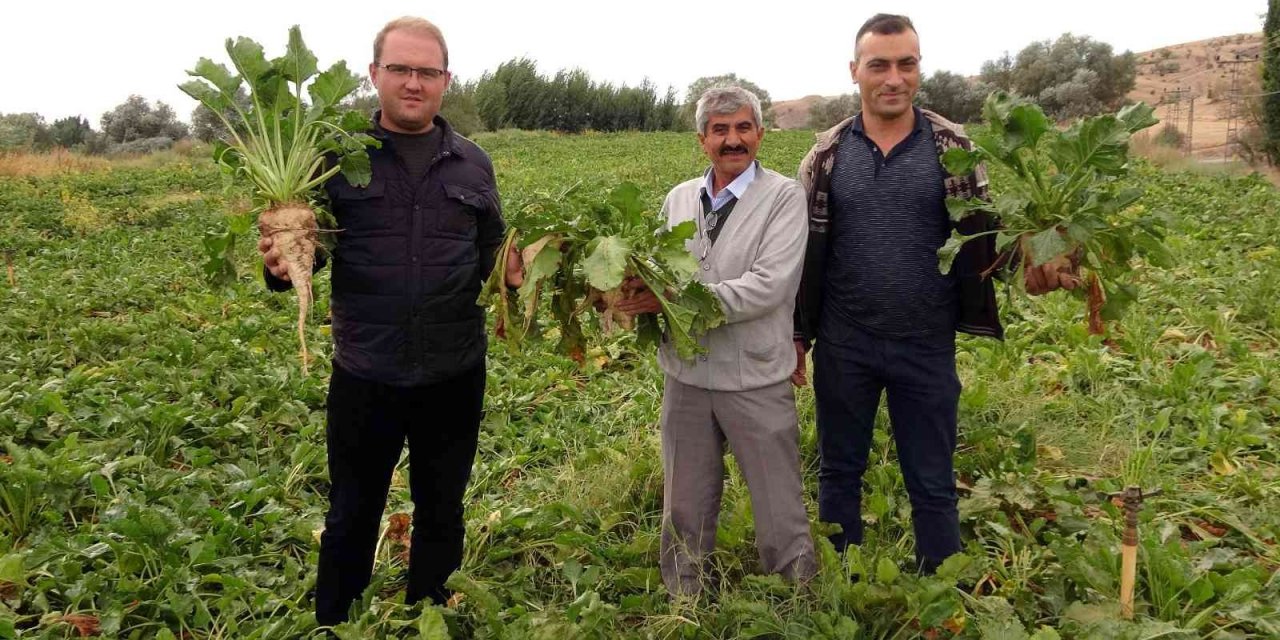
410	261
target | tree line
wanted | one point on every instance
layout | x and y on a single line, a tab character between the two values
134	126
515	95
1069	77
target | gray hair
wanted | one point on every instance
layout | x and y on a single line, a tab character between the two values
724	100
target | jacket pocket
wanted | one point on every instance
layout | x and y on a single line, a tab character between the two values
459	210
347	191
759	366
764	354
363	208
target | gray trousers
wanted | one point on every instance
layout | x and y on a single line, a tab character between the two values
760	427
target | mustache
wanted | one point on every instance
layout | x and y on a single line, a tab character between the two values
725	150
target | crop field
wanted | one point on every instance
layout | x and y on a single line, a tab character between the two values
162	457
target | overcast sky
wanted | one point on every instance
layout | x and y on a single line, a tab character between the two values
61	58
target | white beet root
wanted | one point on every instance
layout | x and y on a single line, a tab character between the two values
292	229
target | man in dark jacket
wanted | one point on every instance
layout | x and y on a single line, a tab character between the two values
883	316
415	246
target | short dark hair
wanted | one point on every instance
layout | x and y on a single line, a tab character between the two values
885	24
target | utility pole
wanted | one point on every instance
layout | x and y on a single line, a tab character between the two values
1174	100
1191	124
1233	104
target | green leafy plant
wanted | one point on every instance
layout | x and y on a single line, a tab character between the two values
1065	196
283	146
209	528
583	252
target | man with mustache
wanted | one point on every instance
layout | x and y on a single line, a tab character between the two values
409	346
883	316
749	245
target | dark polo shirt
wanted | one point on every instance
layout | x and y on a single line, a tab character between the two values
888	220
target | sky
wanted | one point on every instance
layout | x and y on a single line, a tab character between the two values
74	57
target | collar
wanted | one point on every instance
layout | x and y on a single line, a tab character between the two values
859	128
824	140
737	187
447	142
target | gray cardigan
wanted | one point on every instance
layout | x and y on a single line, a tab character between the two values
754	270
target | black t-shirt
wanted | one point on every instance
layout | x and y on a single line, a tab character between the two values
416	150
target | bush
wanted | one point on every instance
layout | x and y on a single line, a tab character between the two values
142	145
96	144
1170	136
1074	98
828	112
71	131
135	119
953	96
459	108
1078	75
24	132
697	87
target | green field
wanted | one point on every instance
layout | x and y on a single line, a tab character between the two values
162	461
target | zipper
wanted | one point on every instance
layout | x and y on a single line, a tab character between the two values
417	329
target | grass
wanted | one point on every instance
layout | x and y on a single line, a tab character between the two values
1169	158
165	458
37	165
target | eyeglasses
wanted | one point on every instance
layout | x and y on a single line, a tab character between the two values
404	71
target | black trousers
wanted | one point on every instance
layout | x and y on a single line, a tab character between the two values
368	425
852	368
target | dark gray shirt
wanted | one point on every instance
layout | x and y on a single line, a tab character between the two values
416	151
888	220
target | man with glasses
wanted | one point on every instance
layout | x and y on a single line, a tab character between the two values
749	245
409	346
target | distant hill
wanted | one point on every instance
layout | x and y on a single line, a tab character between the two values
794	114
1199	67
